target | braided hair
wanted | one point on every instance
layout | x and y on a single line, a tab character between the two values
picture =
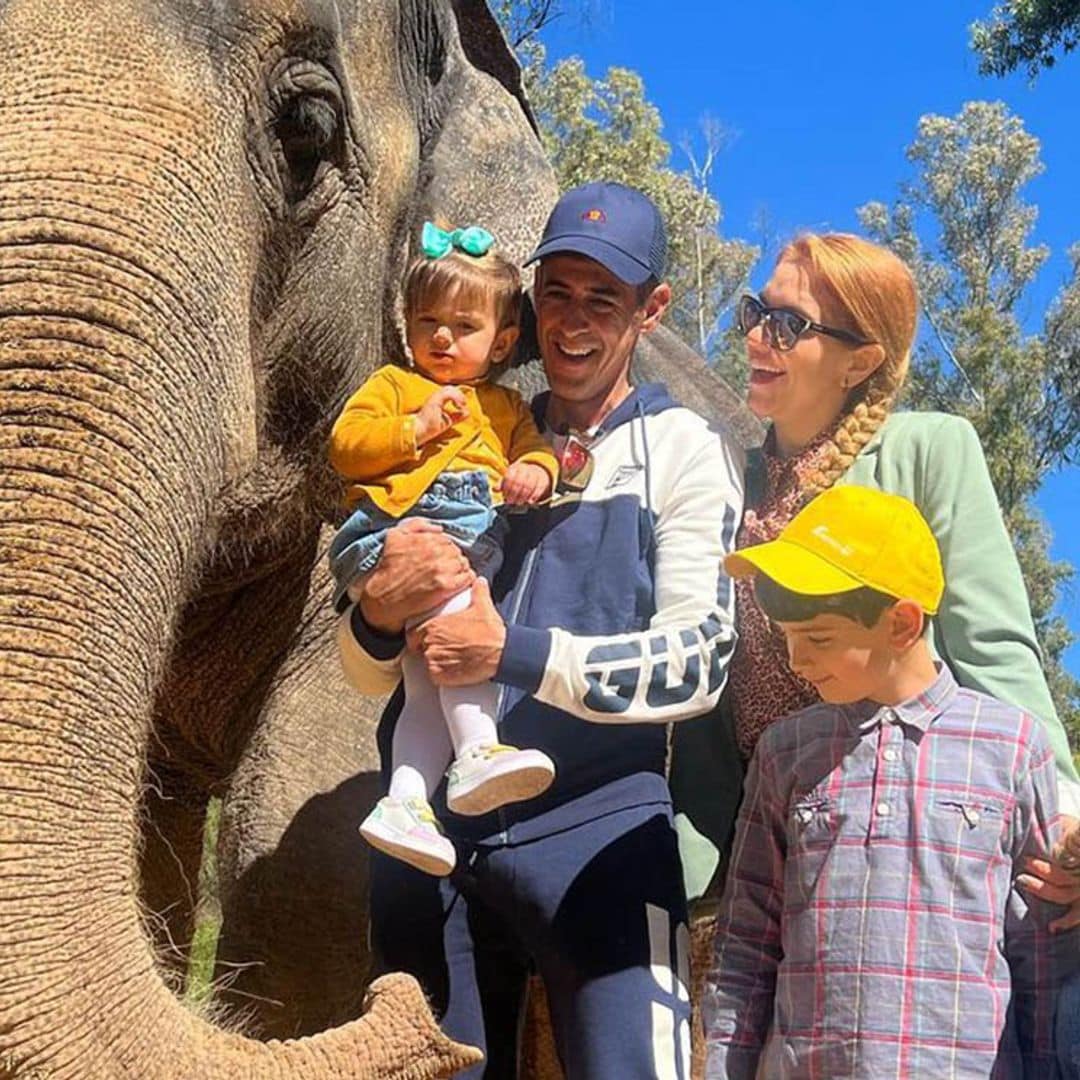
868	290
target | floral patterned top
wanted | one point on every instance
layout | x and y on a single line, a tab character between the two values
763	686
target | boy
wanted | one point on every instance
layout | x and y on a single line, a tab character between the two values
870	926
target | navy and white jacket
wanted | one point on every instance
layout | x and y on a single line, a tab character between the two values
619	617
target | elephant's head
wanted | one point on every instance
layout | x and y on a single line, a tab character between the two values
205	208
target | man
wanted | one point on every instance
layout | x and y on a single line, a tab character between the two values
611	617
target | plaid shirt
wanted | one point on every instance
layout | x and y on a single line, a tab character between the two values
869	927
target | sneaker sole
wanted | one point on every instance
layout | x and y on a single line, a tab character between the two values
431	862
501	790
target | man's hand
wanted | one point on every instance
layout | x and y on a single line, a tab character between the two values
525	483
419	569
1058	881
465	647
439	412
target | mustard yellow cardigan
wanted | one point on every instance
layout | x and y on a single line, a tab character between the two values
373	442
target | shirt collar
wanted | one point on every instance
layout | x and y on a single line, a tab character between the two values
917	712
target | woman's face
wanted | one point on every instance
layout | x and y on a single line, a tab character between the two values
802	391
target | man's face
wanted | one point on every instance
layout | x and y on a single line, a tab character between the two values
587	321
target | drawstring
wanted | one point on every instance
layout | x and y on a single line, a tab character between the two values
646	536
645	450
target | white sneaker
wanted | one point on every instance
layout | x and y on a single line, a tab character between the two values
487	777
407	830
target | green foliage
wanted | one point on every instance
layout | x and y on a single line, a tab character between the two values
522	20
607	129
1026	32
1019	391
200	974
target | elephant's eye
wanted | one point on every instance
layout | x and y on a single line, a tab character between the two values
306	121
306	129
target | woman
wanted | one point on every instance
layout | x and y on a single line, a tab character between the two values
828	342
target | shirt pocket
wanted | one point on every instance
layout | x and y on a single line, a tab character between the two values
963	835
812	826
961	854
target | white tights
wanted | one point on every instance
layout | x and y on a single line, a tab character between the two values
437	721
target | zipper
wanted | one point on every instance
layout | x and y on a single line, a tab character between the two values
523	585
519	598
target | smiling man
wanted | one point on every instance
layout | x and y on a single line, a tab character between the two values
610	618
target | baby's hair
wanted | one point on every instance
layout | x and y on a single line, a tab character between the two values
862	605
868	290
482	279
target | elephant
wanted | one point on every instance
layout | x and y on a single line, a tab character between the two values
206	207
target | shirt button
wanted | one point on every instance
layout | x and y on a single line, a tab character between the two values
883	809
891	754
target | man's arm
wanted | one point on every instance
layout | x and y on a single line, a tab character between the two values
1039	959
741	983
676	668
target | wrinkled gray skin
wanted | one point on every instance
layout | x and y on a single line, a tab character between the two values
205	211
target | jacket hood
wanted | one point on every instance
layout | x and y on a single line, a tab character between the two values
648	399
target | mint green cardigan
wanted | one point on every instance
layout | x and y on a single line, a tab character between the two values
983	631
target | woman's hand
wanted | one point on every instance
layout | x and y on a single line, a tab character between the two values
1058	881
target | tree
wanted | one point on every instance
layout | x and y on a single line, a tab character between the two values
1025	32
1018	390
718	270
607	129
522	20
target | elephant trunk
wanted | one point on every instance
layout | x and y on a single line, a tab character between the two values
96	513
120	420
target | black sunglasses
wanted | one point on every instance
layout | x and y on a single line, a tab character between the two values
783	327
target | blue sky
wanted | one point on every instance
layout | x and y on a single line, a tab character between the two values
821	100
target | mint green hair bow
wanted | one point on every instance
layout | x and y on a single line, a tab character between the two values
436	242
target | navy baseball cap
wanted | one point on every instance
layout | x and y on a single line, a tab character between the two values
617	226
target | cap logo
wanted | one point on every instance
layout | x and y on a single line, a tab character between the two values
594	215
823	534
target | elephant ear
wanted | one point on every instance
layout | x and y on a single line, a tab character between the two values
487	49
482	162
485	164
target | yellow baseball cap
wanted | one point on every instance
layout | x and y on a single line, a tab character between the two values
848	538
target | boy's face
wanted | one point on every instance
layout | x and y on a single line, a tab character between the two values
843	660
456	341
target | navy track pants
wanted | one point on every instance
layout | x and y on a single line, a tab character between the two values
597	909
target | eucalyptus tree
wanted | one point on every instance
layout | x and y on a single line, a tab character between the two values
963	224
